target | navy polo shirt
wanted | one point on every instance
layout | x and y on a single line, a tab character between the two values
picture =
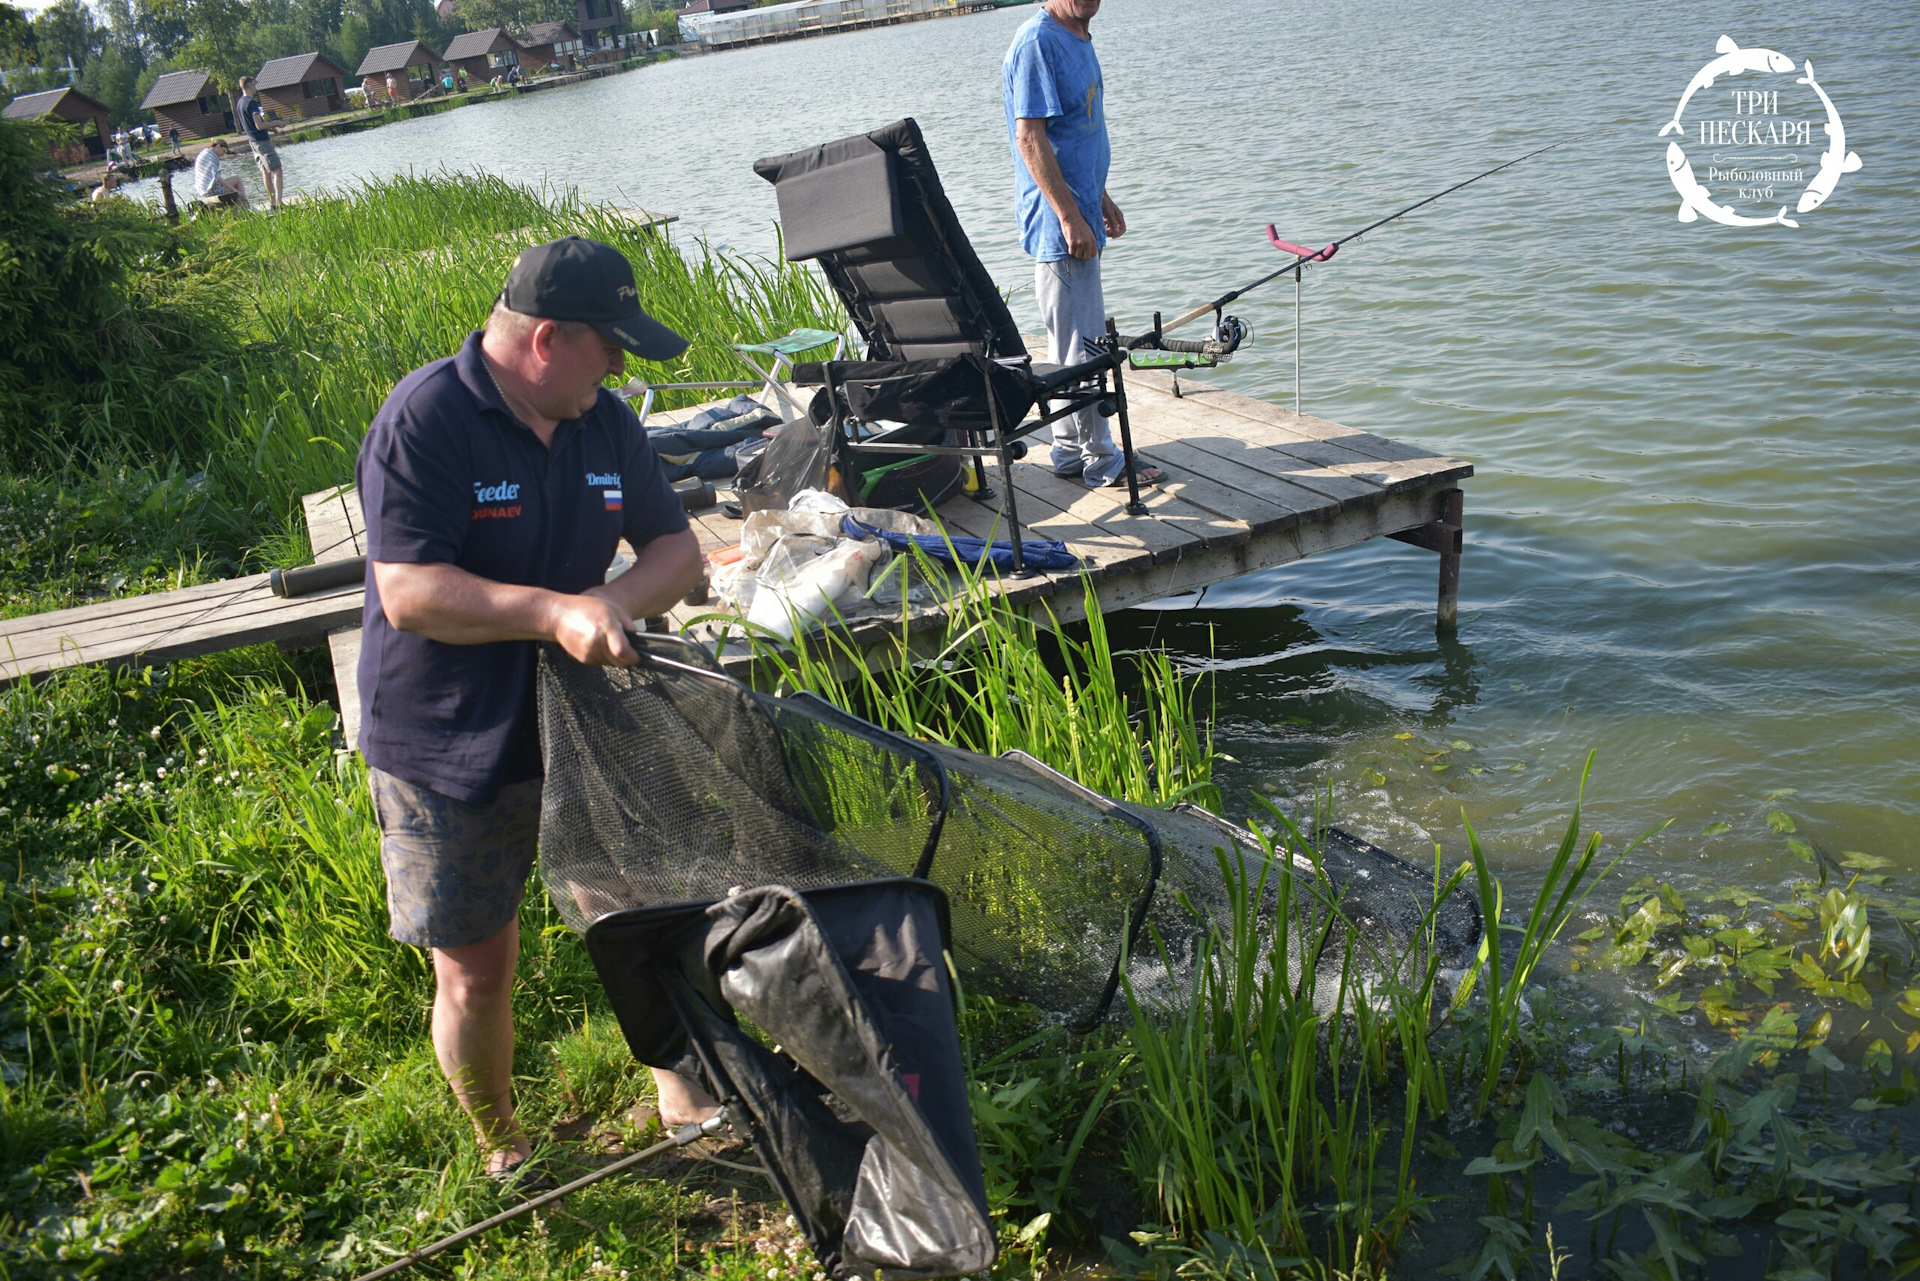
448	475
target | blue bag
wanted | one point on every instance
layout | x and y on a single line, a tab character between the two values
1040	553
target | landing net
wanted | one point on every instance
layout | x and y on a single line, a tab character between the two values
671	782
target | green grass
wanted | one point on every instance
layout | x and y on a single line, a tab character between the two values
213	1061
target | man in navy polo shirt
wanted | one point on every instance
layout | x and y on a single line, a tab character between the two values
495	485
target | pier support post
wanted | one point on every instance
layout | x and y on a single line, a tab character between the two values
1453	505
1443	536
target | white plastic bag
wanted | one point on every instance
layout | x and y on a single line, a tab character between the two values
817	500
819	583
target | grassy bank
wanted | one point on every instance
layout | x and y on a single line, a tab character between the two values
213	1062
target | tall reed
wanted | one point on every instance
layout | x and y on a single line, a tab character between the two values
1000	679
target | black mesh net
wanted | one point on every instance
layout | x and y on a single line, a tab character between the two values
671	782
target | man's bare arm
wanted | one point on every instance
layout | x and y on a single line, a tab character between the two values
662	572
1030	136
446	603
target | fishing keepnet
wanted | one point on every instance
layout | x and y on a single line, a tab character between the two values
670	782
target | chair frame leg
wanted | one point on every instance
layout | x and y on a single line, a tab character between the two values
1009	506
1134	506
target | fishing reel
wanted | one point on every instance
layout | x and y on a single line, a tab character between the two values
1153	350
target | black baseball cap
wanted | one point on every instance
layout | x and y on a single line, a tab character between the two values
584	280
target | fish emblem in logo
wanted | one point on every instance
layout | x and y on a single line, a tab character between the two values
1835	160
1695	200
1733	61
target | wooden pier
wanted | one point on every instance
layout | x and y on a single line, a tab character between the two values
1249	486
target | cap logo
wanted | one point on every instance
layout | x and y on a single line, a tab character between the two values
626	291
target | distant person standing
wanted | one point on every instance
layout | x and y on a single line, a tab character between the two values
253	122
393	90
1057	126
173	136
461	74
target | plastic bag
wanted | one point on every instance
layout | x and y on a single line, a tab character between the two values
819	584
796	458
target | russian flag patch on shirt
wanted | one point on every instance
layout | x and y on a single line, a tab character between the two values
613	499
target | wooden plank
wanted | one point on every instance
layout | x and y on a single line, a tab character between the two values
1360	441
1255	445
336	531
1268	502
1124	539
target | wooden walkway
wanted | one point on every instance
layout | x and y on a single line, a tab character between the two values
1250	486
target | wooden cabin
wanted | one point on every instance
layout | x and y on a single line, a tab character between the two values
547	42
191	102
303	86
75	108
483	54
412	64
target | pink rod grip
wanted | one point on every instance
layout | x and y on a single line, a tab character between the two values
1300	251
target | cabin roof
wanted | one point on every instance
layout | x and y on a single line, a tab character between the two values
177	87
283	73
32	106
550	33
397	57
472	44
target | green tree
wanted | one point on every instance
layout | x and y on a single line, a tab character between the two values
67	34
18	48
518	15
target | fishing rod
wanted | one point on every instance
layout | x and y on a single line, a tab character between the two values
680	1138
1230	331
1303	256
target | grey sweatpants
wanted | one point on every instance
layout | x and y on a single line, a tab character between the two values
1074	311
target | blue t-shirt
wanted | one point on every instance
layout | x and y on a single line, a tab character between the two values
1052	74
448	475
244	111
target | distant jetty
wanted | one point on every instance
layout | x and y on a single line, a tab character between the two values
804	18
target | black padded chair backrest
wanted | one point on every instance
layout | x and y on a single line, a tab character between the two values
871	211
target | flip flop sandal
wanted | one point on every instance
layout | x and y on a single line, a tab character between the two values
524	1178
1145	475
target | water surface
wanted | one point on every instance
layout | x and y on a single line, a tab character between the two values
1691	540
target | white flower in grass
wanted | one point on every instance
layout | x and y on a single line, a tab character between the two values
119	986
154	732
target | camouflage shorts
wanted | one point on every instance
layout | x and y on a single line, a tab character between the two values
456	872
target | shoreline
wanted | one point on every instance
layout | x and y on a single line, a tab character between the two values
360	120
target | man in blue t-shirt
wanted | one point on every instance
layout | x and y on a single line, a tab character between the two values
253	122
1057	125
495	486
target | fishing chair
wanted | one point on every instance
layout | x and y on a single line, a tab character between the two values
946	374
770	378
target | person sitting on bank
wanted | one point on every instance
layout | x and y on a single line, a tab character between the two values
495	485
207	182
109	183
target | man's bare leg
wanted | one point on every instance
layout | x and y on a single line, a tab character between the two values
473	1038
681	1101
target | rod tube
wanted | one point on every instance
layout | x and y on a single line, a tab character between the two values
681	1138
305	580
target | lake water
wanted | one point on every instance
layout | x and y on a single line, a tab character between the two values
1691	541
